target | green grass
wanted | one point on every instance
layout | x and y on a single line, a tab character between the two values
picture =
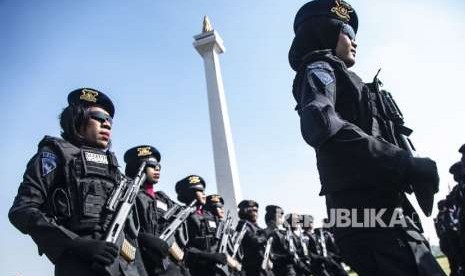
441	260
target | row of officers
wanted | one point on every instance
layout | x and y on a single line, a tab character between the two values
450	220
89	218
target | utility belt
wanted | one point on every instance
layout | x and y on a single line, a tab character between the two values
204	243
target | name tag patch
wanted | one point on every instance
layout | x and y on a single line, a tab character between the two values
96	158
162	205
211	224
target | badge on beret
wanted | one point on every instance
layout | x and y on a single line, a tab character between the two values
215	199
88	95
144	151
48	162
342	10
194	179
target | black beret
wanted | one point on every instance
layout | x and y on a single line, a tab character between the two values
247	204
456	168
294	219
215	201
462	149
274	209
189	184
337	9
91	97
308	218
442	204
142	153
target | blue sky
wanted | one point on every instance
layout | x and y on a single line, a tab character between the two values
140	53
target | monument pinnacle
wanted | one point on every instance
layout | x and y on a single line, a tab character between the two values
207	26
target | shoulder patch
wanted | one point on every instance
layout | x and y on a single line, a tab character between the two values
322	71
320	65
323	76
48	162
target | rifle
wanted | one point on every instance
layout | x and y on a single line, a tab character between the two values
322	241
304	247
223	233
178	221
290	242
266	263
125	205
424	198
169	231
122	200
238	237
171	212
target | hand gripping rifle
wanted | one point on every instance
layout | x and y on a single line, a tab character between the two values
425	199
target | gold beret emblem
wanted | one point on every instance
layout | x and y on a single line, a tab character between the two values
215	199
342	10
194	179
144	151
88	95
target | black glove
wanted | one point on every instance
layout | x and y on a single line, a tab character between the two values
422	174
158	246
194	255
100	252
218	258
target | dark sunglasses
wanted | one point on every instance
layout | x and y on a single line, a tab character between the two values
101	117
251	209
349	31
157	166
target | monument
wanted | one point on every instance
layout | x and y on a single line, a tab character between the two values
209	45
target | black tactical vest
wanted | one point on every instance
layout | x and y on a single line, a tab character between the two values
90	175
202	231
361	103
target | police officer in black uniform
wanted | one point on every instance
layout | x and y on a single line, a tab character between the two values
334	263
359	156
456	198
61	201
283	261
302	260
447	229
315	250
152	207
254	241
201	257
215	205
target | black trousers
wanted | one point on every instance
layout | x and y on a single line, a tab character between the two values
388	252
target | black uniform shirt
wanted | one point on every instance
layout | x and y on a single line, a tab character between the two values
31	212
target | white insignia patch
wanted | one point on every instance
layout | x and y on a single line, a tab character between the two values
96	158
162	205
211	224
48	162
324	77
